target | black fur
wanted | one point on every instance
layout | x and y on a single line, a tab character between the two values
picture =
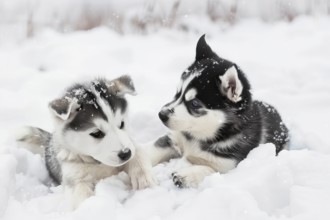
248	123
164	141
52	164
247	118
88	106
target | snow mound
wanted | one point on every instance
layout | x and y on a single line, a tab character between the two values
263	186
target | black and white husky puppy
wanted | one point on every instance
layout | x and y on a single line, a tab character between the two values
213	119
90	141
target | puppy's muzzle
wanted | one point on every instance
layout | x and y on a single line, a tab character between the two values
164	114
125	154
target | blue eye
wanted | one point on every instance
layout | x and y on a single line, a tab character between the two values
195	104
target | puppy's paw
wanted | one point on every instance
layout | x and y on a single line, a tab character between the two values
184	179
190	176
178	180
141	178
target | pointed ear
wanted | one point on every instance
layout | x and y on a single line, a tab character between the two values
121	86
203	50
231	86
63	107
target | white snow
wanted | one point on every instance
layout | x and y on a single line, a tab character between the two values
287	64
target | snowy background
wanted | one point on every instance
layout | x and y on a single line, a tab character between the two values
283	47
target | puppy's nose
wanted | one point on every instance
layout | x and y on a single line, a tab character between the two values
125	154
163	115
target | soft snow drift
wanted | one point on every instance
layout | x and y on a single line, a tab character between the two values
287	65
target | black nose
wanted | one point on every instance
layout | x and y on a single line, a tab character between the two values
125	154
163	115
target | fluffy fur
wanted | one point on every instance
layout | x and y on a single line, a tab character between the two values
213	121
90	141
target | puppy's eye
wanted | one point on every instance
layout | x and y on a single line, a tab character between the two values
195	104
97	134
122	125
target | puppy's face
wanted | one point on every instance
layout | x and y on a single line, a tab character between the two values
101	135
208	90
91	121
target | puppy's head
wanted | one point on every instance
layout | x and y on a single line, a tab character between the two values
90	120
210	91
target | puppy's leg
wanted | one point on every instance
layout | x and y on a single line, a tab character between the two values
78	193
139	170
201	167
163	150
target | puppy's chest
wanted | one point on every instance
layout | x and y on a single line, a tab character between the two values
77	172
192	151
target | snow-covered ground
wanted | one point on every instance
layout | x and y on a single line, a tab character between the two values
288	65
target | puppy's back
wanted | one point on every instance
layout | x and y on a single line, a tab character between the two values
274	129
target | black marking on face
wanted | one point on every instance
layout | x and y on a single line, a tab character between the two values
114	101
164	142
84	119
207	83
89	107
89	110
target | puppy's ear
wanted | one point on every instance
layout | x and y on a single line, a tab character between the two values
62	108
230	85
121	86
203	50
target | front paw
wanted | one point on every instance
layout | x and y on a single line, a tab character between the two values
183	179
142	179
190	176
178	180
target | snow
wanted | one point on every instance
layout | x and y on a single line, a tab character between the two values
27	17
288	67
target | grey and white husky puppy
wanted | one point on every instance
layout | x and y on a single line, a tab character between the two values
90	140
214	122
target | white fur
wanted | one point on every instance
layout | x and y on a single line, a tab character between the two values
139	170
203	163
191	94
80	142
80	178
160	154
200	127
193	153
192	176
231	75
183	85
78	149
203	127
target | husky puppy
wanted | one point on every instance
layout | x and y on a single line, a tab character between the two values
90	141
213	119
